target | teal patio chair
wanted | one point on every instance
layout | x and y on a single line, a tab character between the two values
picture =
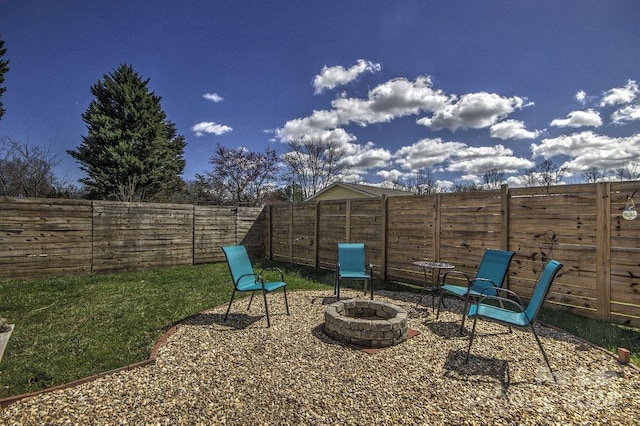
512	312
351	266
492	272
245	279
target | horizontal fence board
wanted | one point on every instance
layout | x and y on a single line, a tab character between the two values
40	237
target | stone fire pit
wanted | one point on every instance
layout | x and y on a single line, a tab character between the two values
366	323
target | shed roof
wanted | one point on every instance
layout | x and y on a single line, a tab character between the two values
342	190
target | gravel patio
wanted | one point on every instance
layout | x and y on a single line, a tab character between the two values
241	372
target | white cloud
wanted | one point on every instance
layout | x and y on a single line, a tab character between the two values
426	153
458	157
392	175
581	97
312	127
209	127
473	110
331	77
512	129
479	160
392	99
363	157
621	95
395	98
214	97
588	149
628	113
588	118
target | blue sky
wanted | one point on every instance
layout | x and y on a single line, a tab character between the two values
460	87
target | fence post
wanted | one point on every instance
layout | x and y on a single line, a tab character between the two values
269	234
383	233
603	250
436	227
193	236
316	236
93	235
347	219
504	211
291	233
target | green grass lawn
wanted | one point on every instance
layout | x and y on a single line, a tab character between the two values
73	327
68	328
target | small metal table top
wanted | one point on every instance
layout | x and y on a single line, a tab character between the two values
433	264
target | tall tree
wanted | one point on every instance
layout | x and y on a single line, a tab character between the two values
28	171
550	173
466	187
424	182
546	173
4	68
313	164
243	176
199	191
628	171
593	175
493	179
131	151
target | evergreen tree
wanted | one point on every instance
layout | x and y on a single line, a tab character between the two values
131	151
4	67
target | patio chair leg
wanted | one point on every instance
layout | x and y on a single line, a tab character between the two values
464	313
544	354
266	308
473	332
433	302
250	300
230	301
439	303
286	302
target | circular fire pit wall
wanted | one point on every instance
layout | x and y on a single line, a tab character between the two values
366	323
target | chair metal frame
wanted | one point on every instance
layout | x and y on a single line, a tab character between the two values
245	279
512	313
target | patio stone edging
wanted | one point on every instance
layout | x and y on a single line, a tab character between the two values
149	361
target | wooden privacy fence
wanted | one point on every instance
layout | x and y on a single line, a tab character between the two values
40	237
579	225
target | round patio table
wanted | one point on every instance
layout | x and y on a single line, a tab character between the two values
435	267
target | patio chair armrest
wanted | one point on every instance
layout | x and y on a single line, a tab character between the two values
502	299
273	268
509	293
245	275
456	272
